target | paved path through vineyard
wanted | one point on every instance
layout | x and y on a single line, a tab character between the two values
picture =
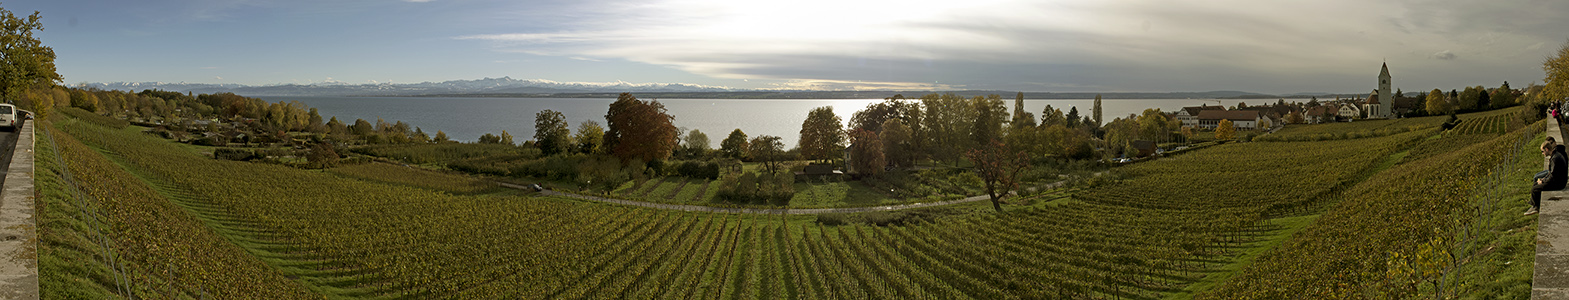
786	211
1551	278
18	234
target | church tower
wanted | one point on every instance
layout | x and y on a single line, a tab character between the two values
1387	96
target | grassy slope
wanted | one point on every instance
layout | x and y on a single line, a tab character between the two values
1494	273
67	264
165	250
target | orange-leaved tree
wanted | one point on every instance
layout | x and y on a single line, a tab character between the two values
1225	130
639	129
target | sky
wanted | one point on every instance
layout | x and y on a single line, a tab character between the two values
1277	47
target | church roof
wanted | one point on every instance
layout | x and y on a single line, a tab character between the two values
1385	71
1372	98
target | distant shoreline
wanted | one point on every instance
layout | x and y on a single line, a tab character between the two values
871	95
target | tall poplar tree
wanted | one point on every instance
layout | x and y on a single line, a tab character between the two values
1097	111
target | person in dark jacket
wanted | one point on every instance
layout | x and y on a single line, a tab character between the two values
1557	176
1547	163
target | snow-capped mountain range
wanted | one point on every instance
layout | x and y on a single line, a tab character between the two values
504	85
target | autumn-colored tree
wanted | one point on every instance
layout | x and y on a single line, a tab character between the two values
590	136
24	60
1295	117
1436	104
1154	126
1225	130
550	132
998	166
822	136
735	145
1556	87
639	129
767	149
866	152
896	143
506	138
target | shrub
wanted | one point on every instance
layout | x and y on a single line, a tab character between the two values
234	154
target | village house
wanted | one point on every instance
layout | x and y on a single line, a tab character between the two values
1240	119
1190	115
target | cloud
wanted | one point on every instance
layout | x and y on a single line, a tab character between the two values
219	78
997	43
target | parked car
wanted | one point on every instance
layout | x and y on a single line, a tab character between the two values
536	187
8	117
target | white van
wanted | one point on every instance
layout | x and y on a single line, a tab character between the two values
8	114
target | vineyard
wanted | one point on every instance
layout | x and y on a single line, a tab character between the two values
1492	123
271	231
413	176
1447	224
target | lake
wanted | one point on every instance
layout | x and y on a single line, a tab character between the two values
465	119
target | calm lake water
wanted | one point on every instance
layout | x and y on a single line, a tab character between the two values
465	119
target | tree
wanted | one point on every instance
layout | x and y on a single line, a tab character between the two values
1072	119
1020	116
1482	98
943	127
506	138
1295	117
896	143
419	136
1556	87
550	132
322	155
696	142
1154	126
989	115
821	134
363	128
441	137
1053	117
1225	130
590	136
875	114
1503	96
1097	111
1470	98
1436	104
24	60
734	146
488	138
998	166
767	149
639	129
866	152
315	122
